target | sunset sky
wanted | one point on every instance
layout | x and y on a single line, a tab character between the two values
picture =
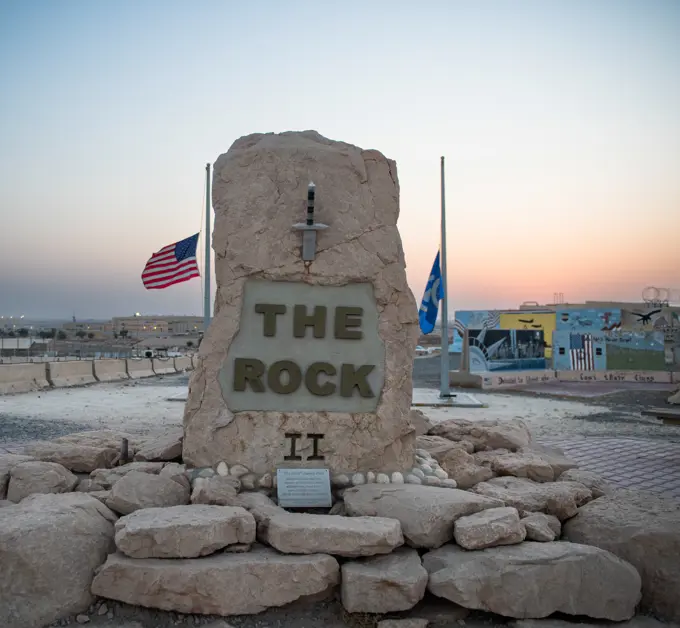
559	121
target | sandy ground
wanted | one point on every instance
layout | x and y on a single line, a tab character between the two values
146	407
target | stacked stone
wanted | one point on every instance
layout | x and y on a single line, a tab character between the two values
187	536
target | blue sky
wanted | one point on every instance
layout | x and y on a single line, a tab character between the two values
559	121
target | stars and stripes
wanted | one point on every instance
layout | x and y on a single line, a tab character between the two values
459	327
173	264
581	357
493	320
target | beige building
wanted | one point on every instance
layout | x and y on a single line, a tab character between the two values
143	325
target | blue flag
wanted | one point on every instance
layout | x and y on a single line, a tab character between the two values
434	292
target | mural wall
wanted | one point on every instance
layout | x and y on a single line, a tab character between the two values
646	338
588	320
533	321
608	350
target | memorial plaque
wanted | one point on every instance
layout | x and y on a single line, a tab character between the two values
303	348
304	488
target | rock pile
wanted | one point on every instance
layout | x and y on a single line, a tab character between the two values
528	536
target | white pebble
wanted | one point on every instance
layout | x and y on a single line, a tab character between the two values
423	453
412	479
397	478
441	474
382	478
265	481
426	469
206	473
358	478
341	480
370	477
222	469
417	472
238	470
449	483
432	480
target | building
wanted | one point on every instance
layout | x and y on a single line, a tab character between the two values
143	325
98	328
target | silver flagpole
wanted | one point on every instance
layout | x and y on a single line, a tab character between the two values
444	390
207	238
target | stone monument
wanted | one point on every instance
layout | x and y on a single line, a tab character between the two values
307	362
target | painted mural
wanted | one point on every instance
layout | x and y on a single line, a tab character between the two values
588	320
646	338
647	319
533	321
506	350
608	350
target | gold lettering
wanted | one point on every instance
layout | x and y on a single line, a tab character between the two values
352	377
345	318
270	312
312	379
301	320
248	370
274	377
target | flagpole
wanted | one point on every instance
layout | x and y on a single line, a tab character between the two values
444	389
207	238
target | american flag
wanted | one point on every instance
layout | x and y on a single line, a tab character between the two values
492	320
173	264
581	352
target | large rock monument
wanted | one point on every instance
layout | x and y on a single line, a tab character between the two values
307	362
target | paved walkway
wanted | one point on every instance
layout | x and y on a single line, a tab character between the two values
648	465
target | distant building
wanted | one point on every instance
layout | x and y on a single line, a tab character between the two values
139	326
98	328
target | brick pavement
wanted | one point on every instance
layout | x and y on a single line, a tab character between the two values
650	465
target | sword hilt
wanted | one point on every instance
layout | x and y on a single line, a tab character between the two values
311	189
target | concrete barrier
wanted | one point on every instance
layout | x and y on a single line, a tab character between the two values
183	364
110	370
75	373
164	366
641	377
493	380
140	367
19	378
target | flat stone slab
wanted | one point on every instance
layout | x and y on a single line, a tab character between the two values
495	526
561	499
644	530
534	580
183	531
136	491
384	584
221	584
426	513
330	534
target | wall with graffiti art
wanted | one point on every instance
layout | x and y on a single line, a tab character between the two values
532	321
608	350
643	338
506	350
588	320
